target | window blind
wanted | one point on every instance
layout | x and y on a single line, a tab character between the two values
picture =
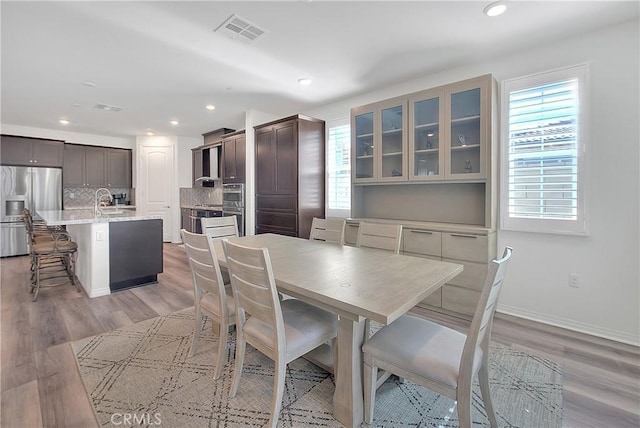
543	151
339	167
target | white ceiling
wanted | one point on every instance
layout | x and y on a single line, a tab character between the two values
162	61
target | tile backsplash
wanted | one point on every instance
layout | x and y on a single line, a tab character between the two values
202	195
84	197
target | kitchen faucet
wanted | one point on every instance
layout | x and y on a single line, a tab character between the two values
99	200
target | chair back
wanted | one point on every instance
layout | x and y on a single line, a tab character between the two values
205	269
219	227
480	330
327	230
254	288
380	236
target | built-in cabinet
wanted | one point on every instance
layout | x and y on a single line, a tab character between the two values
428	160
24	151
94	166
434	135
290	174
233	157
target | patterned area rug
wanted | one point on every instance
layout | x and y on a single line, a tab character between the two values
143	374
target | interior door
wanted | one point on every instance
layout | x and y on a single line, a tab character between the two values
156	184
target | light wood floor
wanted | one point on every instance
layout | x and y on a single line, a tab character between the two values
41	386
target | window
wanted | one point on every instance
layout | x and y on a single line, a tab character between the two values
339	169
543	150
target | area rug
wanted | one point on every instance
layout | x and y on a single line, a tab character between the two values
143	374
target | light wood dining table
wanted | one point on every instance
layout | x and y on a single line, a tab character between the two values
355	284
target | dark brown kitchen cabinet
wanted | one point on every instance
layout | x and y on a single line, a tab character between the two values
233	157
84	166
290	172
119	168
24	151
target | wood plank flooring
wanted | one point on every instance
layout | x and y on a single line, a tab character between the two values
40	384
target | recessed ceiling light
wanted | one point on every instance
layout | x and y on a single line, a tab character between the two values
174	122
150	133
89	84
64	121
211	107
495	8
304	81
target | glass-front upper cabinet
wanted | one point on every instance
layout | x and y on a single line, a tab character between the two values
468	107
426	151
392	156
362	131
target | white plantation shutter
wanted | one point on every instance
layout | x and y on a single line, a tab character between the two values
339	171
543	162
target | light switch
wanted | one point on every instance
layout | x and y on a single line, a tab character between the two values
99	235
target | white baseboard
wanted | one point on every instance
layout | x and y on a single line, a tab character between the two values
593	330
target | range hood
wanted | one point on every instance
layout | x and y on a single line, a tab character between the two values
210	165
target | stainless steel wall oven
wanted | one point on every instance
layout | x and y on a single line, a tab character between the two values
233	203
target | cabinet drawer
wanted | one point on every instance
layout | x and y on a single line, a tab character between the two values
351	233
434	299
277	202
464	246
458	299
419	241
277	222
472	276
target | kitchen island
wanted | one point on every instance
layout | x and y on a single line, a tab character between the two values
117	249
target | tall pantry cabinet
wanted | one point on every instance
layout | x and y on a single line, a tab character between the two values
290	173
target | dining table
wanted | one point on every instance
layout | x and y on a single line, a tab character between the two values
354	283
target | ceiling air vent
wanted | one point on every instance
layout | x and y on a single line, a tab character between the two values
107	107
240	29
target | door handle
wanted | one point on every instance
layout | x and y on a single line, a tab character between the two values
457	235
426	232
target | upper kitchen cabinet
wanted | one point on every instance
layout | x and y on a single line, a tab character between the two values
23	151
119	168
380	142
233	157
84	166
215	137
468	128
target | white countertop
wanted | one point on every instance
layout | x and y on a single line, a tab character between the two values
88	216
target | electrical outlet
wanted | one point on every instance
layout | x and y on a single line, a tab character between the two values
99	235
72	195
573	280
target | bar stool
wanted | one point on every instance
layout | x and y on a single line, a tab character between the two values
53	255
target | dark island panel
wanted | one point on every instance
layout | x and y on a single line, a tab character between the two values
135	253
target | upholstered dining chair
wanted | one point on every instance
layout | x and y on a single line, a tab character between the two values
211	297
327	230
281	330
437	357
380	236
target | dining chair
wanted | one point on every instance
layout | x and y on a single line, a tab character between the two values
219	227
380	236
327	230
281	330
211	297
437	357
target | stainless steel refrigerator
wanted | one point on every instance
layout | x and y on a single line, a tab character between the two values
25	187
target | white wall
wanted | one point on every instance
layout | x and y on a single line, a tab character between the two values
607	260
69	137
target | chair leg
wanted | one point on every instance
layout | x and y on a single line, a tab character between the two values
278	392
237	371
196	331
464	407
370	379
37	285
223	337
483	377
